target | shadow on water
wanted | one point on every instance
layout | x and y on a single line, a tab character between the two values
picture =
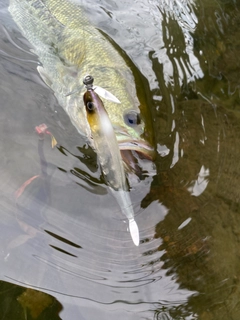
65	236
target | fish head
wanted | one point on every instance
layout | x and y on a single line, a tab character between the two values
130	120
121	113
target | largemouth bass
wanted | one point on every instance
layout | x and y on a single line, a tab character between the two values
69	47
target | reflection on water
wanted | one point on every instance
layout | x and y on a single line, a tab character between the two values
64	234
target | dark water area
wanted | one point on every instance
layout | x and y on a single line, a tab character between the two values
65	252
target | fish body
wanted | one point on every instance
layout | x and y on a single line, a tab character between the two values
69	47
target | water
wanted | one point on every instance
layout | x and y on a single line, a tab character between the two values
64	235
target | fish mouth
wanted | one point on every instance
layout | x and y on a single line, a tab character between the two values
142	147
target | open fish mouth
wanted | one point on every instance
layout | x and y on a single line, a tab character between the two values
142	147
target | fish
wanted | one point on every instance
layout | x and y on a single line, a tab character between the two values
69	47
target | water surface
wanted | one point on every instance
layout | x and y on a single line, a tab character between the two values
64	236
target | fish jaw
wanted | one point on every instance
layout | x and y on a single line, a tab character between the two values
128	143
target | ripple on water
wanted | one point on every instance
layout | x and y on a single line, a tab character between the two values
65	233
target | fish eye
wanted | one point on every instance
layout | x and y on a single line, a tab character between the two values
132	118
90	106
